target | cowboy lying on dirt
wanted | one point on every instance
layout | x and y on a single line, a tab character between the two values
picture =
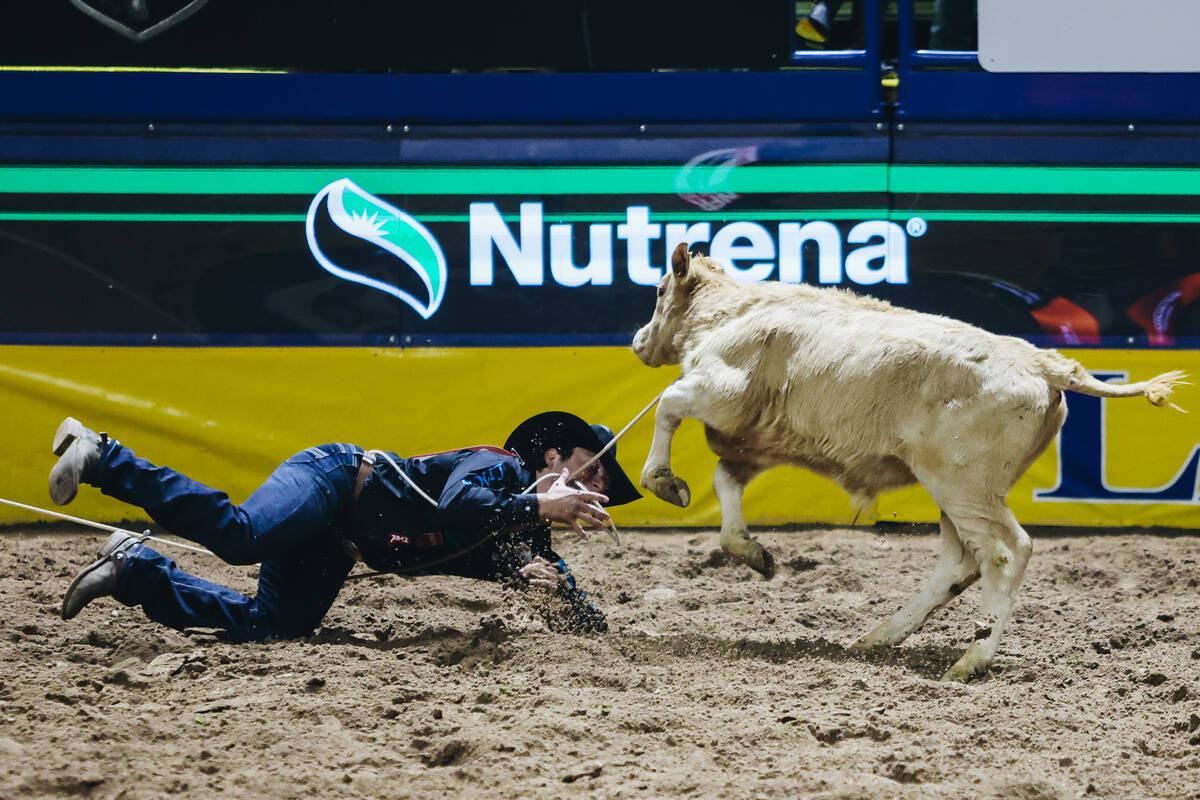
479	512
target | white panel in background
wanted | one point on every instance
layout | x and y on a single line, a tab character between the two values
1089	35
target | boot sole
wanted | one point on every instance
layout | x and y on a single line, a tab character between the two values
66	475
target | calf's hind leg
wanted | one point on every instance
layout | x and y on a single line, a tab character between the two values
956	570
729	482
1002	548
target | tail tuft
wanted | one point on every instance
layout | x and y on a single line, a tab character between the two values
1067	373
1159	388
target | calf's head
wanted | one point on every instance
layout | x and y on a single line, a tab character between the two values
658	341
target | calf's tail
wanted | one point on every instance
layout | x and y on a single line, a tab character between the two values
1067	373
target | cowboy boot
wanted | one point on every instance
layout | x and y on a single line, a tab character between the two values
78	449
99	579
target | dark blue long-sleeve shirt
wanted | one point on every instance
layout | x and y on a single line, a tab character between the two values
483	525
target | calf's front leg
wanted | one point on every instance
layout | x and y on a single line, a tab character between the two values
676	403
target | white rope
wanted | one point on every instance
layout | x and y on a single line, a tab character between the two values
102	526
404	475
611	530
613	442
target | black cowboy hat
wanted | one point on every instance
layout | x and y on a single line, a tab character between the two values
533	437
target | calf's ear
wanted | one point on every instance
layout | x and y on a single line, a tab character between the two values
679	260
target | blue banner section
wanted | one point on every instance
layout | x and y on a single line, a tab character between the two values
415	144
633	99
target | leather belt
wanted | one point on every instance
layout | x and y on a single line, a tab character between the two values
365	468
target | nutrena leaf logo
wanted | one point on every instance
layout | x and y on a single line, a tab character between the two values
365	216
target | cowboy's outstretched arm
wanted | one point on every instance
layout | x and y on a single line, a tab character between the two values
474	499
479	496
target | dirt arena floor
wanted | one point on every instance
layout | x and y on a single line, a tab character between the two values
712	682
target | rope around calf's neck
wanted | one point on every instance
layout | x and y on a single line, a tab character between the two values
612	442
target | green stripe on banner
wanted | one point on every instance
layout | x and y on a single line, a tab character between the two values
1049	179
469	181
623	180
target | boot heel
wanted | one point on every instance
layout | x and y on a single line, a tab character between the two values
67	433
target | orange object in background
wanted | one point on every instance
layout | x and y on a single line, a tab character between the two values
1075	324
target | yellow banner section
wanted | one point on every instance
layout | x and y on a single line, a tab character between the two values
227	416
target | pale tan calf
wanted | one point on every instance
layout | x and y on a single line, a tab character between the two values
874	397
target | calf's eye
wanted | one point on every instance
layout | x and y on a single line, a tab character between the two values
662	290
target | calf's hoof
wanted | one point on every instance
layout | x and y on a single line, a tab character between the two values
968	667
882	635
765	564
667	486
868	641
753	555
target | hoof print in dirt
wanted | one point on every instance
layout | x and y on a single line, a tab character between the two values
903	773
801	564
587	772
716	559
451	752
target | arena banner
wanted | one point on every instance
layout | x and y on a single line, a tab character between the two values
470	255
221	318
227	416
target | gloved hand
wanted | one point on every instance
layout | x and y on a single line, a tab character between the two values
548	575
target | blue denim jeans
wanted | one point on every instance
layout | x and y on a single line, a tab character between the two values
293	525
